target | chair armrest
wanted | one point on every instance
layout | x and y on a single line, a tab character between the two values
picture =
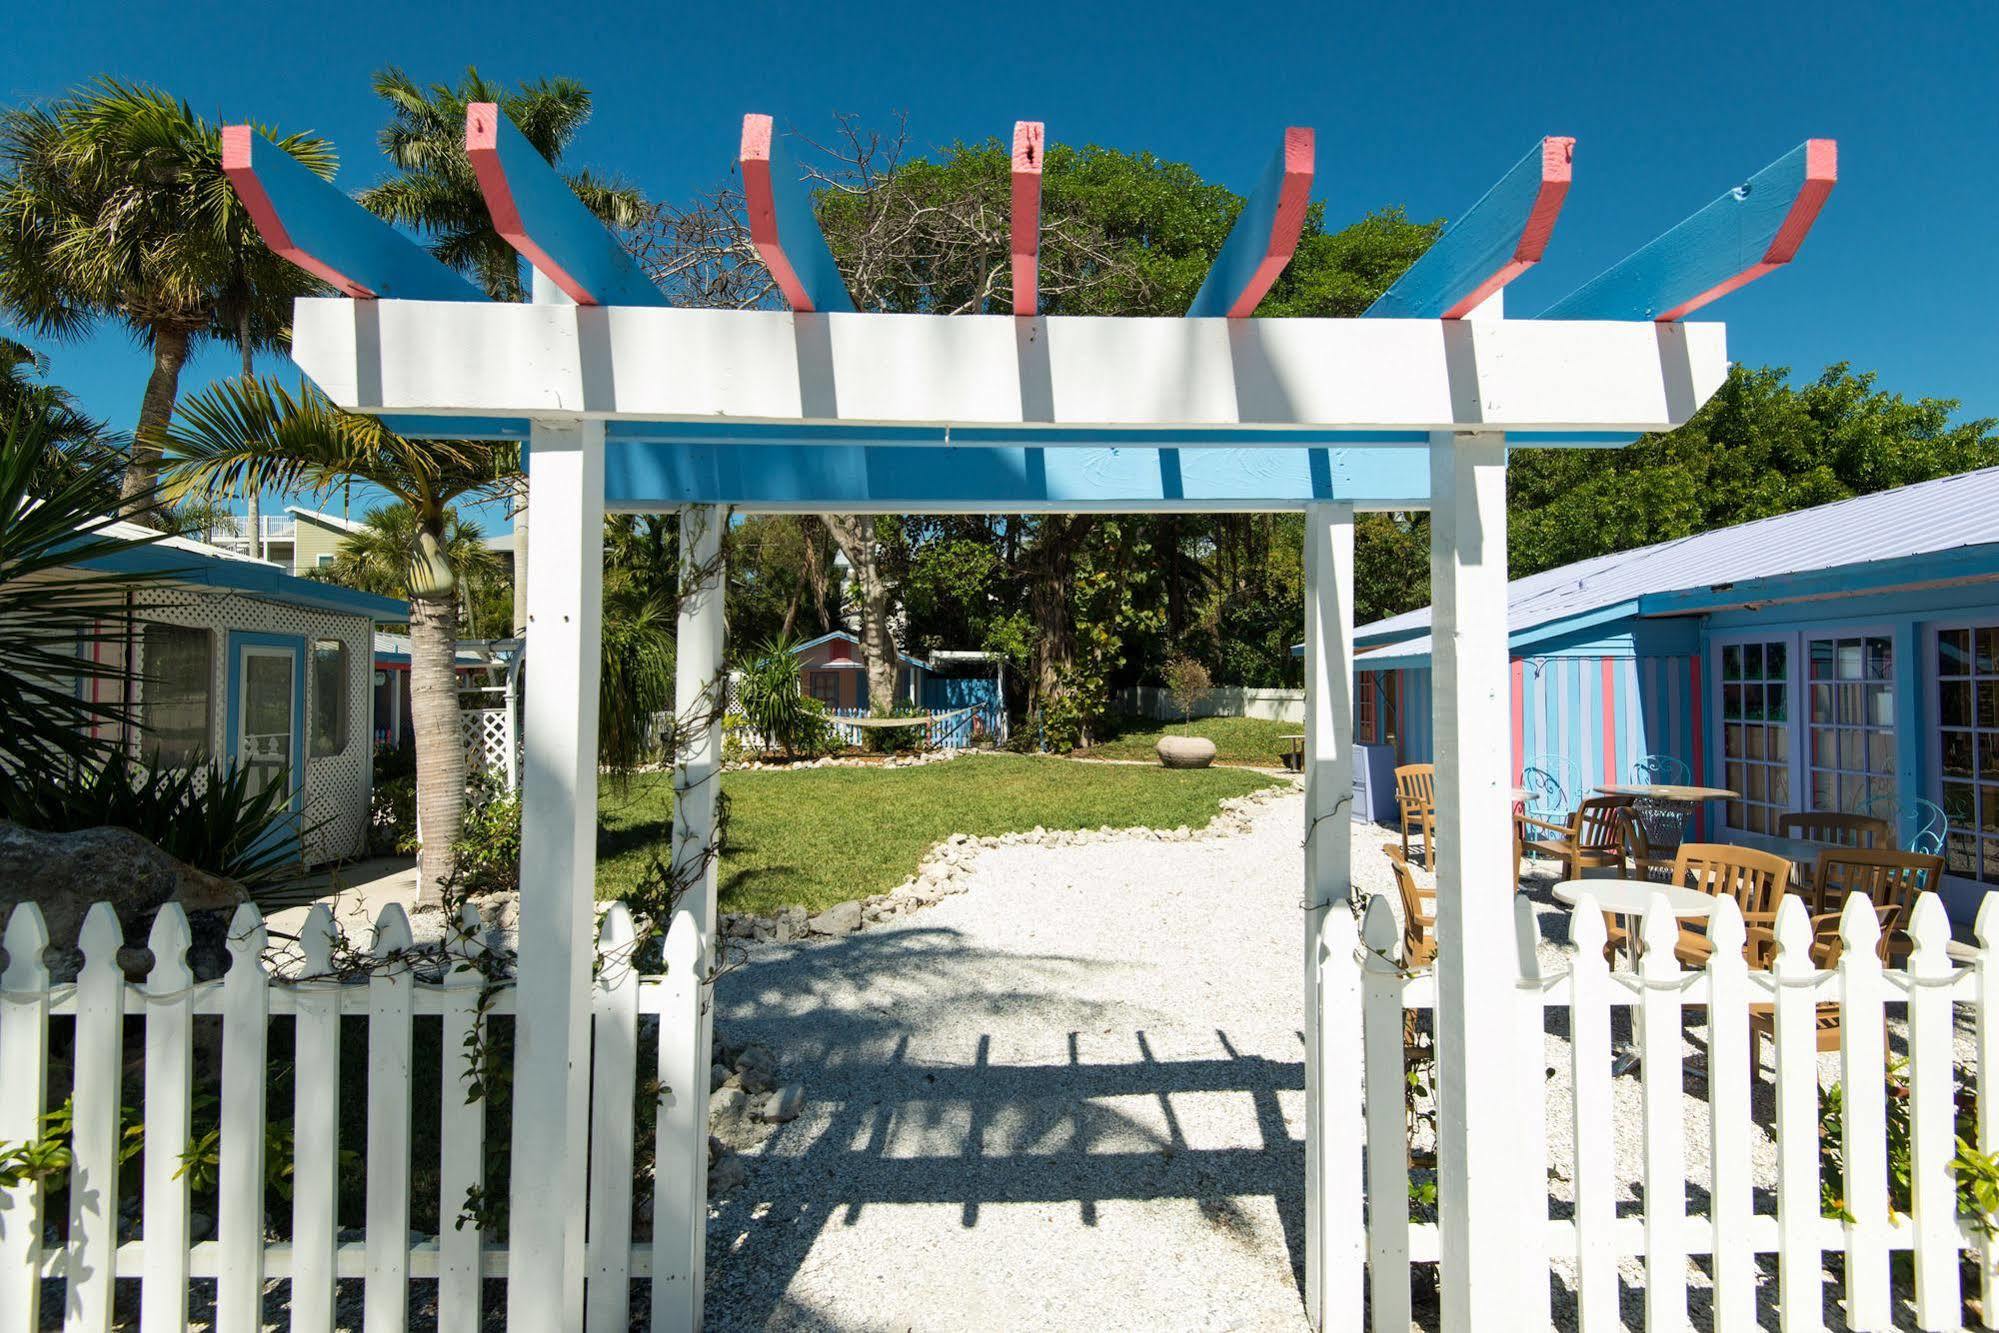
1542	823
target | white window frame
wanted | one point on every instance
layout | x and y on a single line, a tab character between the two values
1932	704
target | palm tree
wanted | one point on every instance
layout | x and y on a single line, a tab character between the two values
73	443
378	556
113	205
436	194
254	433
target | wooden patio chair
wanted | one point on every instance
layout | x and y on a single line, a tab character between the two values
1416	807
1761	946
1419	912
1836	829
1755	879
1591	839
1890	879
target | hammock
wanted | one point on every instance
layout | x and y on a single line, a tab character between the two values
923	721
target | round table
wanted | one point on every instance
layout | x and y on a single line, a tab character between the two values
1630	899
1669	792
1658	800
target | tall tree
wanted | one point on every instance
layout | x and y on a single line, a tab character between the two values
113	205
240	434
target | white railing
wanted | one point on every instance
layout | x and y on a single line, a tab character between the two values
1751	1210
437	1002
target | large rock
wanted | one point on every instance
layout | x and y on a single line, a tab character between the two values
64	873
1185	751
839	919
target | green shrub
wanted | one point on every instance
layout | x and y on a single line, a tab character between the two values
392	817
775	707
1977	1175
489	850
206	815
891	740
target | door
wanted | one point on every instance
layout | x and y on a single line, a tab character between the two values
266	714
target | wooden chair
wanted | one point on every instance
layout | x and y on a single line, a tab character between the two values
1836	829
1826	947
1890	879
1592	839
1755	879
1416	805
1419	912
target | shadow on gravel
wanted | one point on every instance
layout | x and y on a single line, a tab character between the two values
970	1134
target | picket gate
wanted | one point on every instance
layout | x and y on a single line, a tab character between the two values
1585	1249
255	1006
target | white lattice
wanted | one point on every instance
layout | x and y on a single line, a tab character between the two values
489	742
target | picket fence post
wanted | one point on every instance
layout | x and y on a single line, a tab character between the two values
391	1004
1731	1188
1658	1018
1387	1119
1535	1298
24	1072
239	1215
91	1263
1987	1000
1862	1059
169	1104
1590	1117
1932	1120
614	1071
1799	1260
315	1128
680	1151
462	1158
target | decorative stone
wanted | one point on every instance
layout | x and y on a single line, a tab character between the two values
726	1104
1185	751
726	1175
839	919
783	1106
717	1076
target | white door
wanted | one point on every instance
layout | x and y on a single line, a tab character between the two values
267	727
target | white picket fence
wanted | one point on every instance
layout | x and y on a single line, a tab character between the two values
1585	1249
252	1244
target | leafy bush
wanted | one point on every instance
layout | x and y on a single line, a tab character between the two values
1186	680
892	740
775	707
489	850
206	815
392	817
1977	1175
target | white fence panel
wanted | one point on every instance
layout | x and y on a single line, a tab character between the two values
239	1296
24	1065
169	1109
315	1129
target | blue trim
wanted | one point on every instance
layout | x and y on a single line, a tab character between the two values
803	243
567	232
231	737
346	237
1248	243
263	581
1473	248
1725	239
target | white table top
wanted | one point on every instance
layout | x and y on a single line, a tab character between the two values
1631	897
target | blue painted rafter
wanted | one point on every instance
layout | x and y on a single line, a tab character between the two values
534	208
1499	238
1265	234
1754	228
308	221
782	225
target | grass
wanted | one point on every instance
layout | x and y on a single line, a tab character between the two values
1238	740
815	837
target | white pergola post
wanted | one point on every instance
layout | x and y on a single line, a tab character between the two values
1477	1050
699	699
558	875
1334	1240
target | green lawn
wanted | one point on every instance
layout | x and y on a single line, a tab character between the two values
817	836
1238	740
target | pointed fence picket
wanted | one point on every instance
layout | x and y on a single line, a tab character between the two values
239	1294
24	1066
1932	1119
462	1133
90	1262
169	1119
1731	1185
391	1009
316	1128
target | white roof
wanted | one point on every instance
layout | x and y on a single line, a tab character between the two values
1923	519
330	520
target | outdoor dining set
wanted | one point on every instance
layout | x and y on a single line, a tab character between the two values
1632	832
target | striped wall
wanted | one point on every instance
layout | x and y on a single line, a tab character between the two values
1598	715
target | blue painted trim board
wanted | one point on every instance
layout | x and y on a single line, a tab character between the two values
295	645
260	580
1265	233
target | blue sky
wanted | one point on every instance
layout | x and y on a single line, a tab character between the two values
1424	108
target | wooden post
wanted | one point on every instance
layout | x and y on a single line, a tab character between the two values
1333	1231
688	1026
1476	1044
558	874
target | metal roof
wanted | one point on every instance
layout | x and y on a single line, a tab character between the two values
185	560
1927	518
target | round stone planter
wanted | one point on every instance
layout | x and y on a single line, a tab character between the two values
1185	751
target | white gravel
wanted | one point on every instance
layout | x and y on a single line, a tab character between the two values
1072	1097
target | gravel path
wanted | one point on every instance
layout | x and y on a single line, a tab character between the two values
1072	1097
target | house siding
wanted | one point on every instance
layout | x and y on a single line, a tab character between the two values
312	540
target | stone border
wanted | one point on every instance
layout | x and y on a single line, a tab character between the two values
912	759
946	867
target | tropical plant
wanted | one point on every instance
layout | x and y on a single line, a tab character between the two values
71	437
781	713
377	556
1186	680
489	850
254	433
212	816
635	683
52	606
113	205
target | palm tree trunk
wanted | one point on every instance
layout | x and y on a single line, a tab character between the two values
136	497
440	741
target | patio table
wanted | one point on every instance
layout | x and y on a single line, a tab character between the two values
1629	899
1295	760
1665	804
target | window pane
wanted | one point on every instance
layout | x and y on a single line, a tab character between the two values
1758	784
1821	659
1825	794
1731	701
1988	808
329	697
1822	703
1775	658
1988	703
1851	663
1956	700
1962	851
175	693
1958	805
1853	794
1957	752
1988	651
1777	704
1780	788
1880	659
1988	751
1881	705
1731	661
1732	740
1954	652
1881	752
1852	755
1752	661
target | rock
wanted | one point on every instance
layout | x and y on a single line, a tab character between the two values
726	1104
716	1150
839	919
717	1076
756	1055
752	1079
782	1106
738	927
64	873
781	931
726	1175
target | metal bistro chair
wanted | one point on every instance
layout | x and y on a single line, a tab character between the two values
1664	824
1550	784
1925	819
1416	807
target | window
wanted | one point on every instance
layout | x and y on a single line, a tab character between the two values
1968	715
325	560
1364	718
1756	732
329	697
175	694
1850	753
824	686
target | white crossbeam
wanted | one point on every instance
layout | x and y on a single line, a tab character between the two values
634	363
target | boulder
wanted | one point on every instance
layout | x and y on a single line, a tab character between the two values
1185	751
839	919
725	1175
64	873
726	1104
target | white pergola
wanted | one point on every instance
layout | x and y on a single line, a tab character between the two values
629	404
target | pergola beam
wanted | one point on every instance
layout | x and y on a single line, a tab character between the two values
1029	142
537	212
1502	236
1751	230
782	226
737	366
1265	234
309	222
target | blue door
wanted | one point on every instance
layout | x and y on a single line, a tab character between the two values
267	715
